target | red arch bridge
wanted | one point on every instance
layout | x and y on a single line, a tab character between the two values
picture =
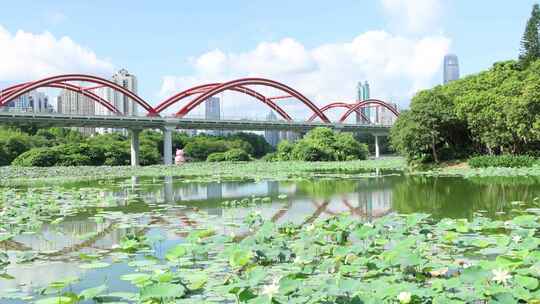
182	104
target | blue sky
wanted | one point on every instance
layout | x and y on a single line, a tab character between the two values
160	39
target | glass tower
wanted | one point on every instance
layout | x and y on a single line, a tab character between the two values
363	94
451	68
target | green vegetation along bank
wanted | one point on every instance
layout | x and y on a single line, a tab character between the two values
493	112
68	147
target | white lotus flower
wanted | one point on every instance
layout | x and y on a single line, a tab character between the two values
404	297
501	276
516	238
272	289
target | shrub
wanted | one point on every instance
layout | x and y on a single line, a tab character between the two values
309	151
348	148
509	161
270	157
284	150
258	144
199	148
216	157
236	155
75	159
37	157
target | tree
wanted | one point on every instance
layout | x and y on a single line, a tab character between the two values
429	128
321	144
37	157
200	147
259	144
236	155
530	43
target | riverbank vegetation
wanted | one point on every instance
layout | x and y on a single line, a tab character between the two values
493	112
67	147
321	144
506	161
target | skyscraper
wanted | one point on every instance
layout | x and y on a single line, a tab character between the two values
124	104
271	136
363	93
451	68
34	101
212	111
70	102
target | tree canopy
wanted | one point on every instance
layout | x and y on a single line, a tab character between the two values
493	112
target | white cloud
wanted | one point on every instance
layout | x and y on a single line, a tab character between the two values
416	16
395	66
28	56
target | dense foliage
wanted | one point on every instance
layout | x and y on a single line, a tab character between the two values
506	161
493	112
234	154
68	147
530	43
321	144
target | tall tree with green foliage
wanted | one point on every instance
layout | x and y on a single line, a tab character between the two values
530	43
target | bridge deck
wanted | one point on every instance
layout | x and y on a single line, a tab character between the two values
143	122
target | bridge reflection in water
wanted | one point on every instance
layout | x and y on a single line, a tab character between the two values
137	197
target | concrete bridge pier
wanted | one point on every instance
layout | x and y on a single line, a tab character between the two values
377	153
135	147
167	145
377	145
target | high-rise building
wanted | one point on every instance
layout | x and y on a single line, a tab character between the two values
451	68
125	105
363	93
212	111
34	101
70	102
271	136
385	116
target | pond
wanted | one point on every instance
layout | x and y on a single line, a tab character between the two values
80	250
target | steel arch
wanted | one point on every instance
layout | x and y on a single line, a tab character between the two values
207	87
70	87
339	105
251	81
364	103
14	93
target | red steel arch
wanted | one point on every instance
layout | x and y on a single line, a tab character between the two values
20	90
207	87
364	103
70	87
252	81
338	105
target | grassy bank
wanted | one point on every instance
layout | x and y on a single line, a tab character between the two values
258	170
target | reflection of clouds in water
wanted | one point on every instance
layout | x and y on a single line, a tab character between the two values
35	275
175	222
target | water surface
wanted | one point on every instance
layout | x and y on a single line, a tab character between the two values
167	208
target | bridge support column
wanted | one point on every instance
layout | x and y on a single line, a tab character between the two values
167	145
135	147
377	154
